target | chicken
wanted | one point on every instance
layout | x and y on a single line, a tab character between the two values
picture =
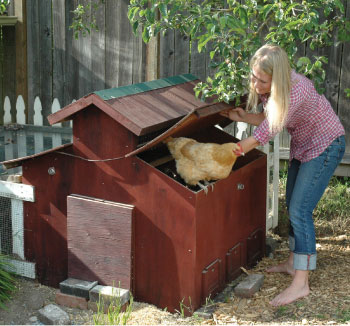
201	161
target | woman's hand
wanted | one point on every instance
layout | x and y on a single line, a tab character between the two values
237	114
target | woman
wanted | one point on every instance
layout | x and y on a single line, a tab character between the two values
317	147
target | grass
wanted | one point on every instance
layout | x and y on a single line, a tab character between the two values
114	314
344	316
7	281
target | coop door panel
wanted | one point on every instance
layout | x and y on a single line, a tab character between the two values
211	280
234	262
255	247
99	236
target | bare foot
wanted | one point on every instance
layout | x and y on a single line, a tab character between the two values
298	289
284	267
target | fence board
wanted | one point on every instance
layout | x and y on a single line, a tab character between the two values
8	65
33	55
98	45
71	90
166	54
82	52
334	55
124	44
182	50
59	47
112	48
21	49
139	59
344	102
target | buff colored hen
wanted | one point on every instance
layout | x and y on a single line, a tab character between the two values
201	161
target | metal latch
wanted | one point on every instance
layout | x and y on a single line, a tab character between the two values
240	186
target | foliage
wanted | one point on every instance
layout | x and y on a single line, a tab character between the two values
347	92
233	30
336	201
3	6
7	282
83	14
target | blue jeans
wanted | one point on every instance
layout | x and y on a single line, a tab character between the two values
306	184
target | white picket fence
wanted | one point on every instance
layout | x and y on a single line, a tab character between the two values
20	139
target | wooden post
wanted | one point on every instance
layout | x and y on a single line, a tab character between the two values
21	51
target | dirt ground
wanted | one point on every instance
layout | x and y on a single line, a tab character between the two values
328	303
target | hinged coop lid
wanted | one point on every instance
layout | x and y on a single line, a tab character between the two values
198	119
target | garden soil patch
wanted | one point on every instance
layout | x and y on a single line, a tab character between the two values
327	304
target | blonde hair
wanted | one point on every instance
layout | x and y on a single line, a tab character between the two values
273	60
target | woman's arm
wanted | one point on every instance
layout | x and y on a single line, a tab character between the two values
248	144
240	115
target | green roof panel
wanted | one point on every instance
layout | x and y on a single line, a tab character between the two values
108	94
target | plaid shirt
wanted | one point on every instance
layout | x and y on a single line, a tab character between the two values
311	121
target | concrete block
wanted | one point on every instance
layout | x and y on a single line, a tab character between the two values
53	315
77	287
109	294
71	301
206	312
250	285
271	245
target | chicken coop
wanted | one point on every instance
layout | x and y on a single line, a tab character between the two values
110	207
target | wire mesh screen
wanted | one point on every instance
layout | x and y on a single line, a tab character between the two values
12	236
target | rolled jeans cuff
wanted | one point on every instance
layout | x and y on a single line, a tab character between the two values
303	262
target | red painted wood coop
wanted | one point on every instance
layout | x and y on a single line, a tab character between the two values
111	208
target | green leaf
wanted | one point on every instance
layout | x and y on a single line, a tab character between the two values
340	6
163	9
135	25
146	35
293	23
223	21
243	16
347	92
303	61
203	41
132	13
150	16
233	23
267	9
